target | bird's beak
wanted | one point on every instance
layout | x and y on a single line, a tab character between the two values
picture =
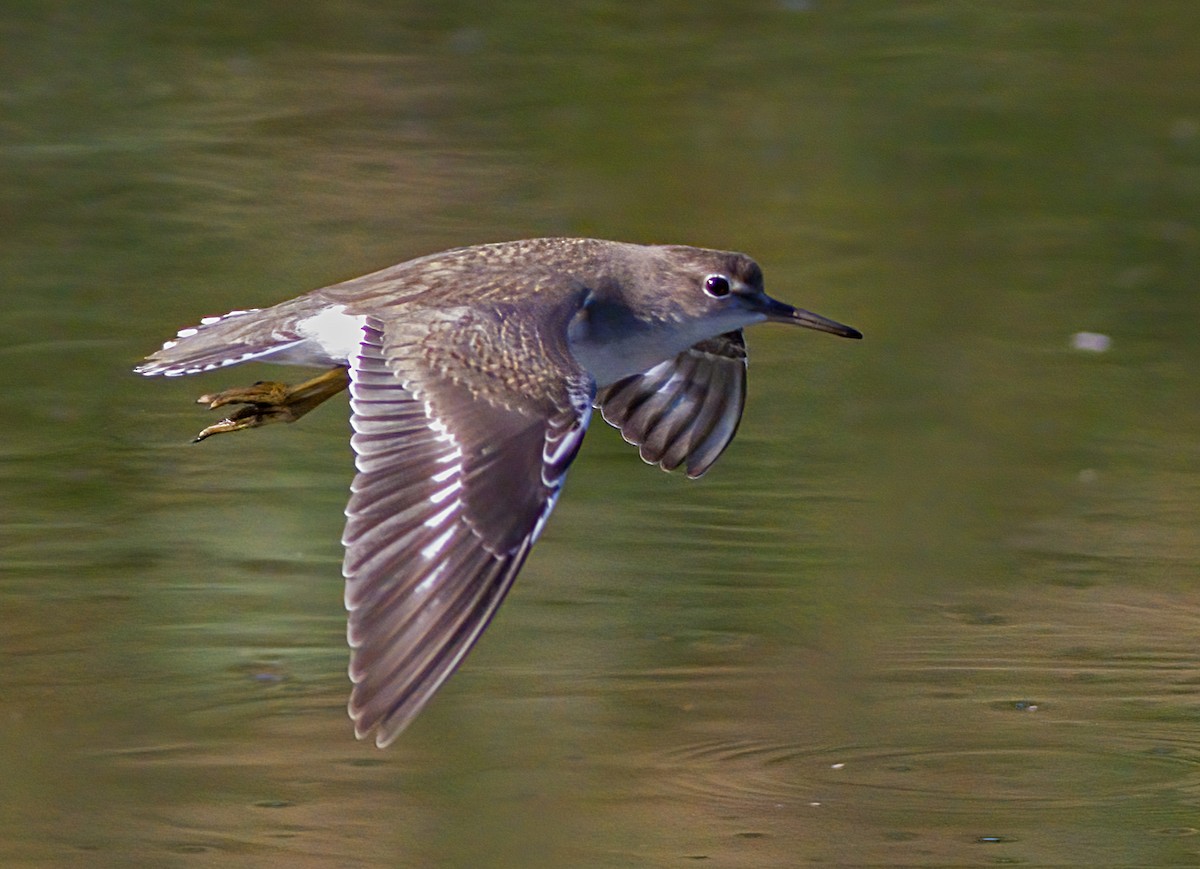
780	312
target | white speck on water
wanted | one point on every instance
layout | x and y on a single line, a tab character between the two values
1090	342
1184	130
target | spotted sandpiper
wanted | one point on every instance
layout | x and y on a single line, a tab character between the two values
472	377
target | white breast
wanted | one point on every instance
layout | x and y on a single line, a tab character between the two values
612	353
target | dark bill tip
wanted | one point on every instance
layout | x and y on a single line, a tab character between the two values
809	320
778	312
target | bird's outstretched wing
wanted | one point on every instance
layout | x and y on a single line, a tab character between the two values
453	488
684	410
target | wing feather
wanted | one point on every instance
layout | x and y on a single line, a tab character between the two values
451	493
684	410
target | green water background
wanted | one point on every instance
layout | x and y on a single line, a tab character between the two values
937	605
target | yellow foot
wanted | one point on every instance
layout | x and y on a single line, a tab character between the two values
267	401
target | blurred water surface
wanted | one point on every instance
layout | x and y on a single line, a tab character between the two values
937	605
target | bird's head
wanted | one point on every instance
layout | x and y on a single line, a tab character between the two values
723	287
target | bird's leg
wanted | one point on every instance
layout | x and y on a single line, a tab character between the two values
268	401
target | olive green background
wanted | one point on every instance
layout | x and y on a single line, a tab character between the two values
937	605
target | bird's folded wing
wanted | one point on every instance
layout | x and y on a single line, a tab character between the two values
451	492
684	410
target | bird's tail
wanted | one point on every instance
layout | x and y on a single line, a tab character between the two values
230	339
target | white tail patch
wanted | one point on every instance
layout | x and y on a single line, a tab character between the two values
337	333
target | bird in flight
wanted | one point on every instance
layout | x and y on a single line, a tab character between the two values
473	374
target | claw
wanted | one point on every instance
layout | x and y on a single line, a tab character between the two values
251	416
266	392
267	401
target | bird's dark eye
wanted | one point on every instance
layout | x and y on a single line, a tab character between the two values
716	286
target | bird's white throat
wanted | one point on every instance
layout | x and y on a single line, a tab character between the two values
611	351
